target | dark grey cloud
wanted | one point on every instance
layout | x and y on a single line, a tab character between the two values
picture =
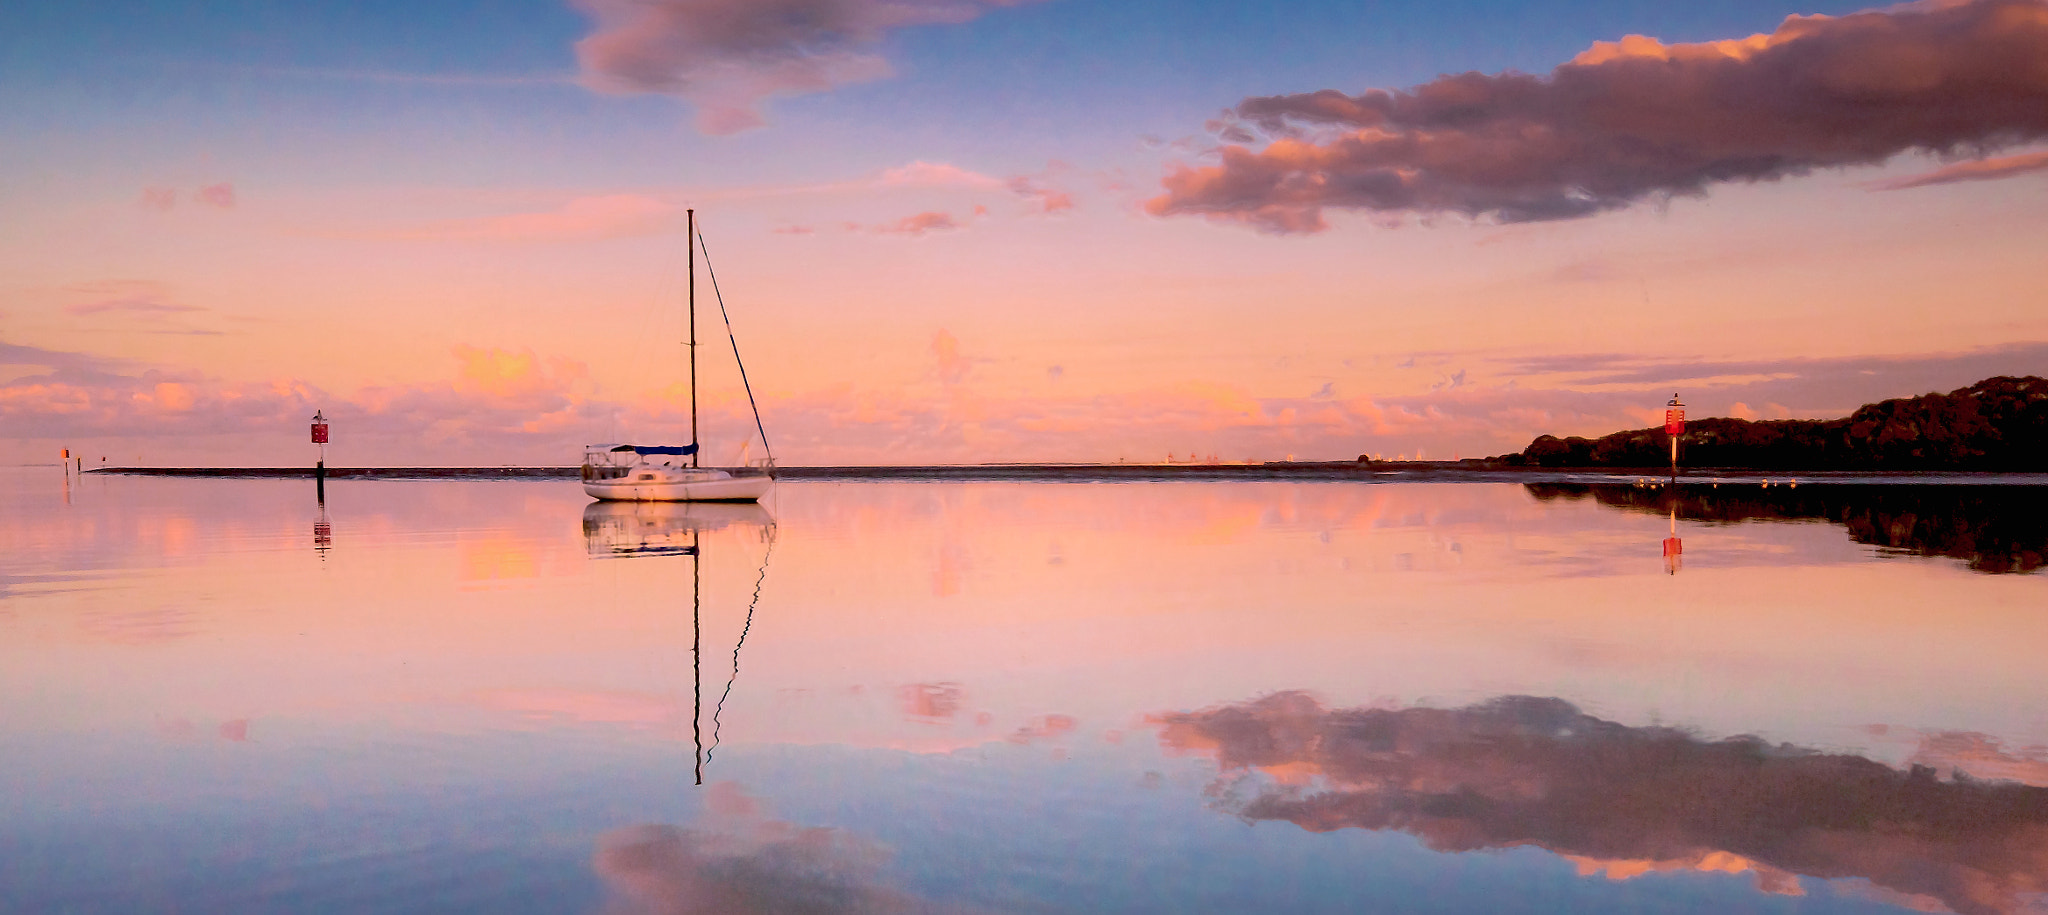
1637	120
728	56
1522	770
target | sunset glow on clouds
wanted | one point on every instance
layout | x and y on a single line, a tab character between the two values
1638	119
953	231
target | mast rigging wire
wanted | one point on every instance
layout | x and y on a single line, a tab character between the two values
736	351
737	645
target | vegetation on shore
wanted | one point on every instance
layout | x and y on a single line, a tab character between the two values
1998	424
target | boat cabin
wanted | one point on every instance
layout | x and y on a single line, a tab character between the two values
618	462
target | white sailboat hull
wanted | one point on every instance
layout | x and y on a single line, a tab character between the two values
702	486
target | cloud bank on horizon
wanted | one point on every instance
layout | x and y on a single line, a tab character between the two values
499	406
1637	120
728	57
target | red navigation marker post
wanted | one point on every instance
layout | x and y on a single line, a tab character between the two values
1674	427
320	466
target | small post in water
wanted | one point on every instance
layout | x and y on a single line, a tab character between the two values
320	466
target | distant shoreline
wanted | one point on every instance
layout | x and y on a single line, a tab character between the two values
1330	471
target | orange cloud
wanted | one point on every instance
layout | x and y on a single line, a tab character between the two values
919	224
505	374
953	366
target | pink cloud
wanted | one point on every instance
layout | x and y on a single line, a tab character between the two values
496	401
919	224
1044	197
160	199
1740	410
935	174
1633	120
1979	170
219	196
598	217
131	305
728	57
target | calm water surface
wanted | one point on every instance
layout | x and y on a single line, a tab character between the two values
218	696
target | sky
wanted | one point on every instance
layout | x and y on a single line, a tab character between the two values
1000	230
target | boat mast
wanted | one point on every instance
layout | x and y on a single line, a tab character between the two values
693	335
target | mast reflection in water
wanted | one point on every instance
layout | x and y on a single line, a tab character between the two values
1620	800
648	529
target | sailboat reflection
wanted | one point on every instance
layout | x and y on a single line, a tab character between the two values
648	529
663	528
1623	801
1991	528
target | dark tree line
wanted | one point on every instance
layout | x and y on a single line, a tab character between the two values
1998	424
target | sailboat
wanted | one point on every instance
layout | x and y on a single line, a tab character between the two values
657	473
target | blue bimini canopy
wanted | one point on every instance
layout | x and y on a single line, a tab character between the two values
657	449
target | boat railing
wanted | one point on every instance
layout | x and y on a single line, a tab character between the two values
600	466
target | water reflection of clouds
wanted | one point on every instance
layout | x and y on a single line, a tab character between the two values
1623	801
931	701
629	708
739	860
139	625
1975	755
